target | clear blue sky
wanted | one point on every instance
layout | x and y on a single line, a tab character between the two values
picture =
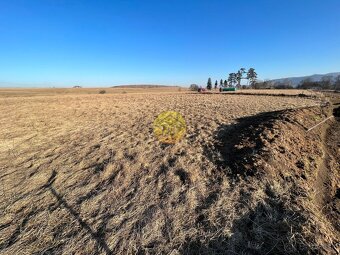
99	43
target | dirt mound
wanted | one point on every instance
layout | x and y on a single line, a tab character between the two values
300	211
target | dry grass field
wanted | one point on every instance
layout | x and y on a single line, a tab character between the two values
23	92
82	173
279	91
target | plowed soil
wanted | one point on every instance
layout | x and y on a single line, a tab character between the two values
84	174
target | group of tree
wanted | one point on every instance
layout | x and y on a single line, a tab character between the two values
268	84
234	79
326	83
194	87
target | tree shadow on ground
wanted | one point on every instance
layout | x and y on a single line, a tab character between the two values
97	236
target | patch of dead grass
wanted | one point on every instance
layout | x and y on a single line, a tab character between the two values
84	174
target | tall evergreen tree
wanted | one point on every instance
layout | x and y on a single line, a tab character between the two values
232	79
216	83
225	84
251	76
209	84
221	83
239	76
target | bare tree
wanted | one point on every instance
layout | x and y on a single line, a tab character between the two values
266	84
307	84
337	83
326	82
285	84
193	87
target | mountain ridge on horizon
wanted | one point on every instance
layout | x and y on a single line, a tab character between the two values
297	79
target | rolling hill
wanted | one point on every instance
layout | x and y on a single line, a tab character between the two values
315	77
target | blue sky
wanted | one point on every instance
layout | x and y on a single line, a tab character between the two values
104	43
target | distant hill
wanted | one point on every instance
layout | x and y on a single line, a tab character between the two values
146	86
315	77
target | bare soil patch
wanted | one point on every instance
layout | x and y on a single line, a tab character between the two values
84	174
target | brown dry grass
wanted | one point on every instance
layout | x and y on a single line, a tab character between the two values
23	92
83	174
279	91
30	92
